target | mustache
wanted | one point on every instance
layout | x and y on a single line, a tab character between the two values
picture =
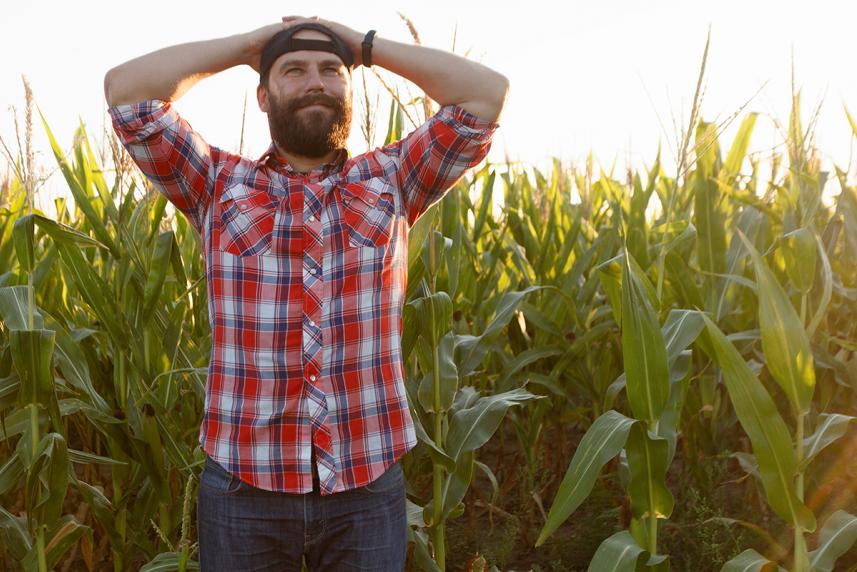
316	99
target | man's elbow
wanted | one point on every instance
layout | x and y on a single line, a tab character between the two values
495	97
502	93
108	91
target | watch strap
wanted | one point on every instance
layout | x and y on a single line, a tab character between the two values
367	48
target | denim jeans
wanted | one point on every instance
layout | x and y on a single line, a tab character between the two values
244	528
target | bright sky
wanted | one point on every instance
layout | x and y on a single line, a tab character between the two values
610	76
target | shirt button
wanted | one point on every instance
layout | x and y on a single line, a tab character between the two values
244	206
313	271
371	200
311	323
312	378
312	218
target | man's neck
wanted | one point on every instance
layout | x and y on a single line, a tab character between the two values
304	164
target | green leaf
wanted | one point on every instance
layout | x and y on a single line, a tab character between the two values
749	561
826	289
710	223
738	150
603	441
103	510
59	538
418	233
168	562
438	455
72	362
32	357
524	359
648	461
680	330
799	254
80	191
49	468
23	237
157	274
434	316
784	341
835	539
441	370
621	553
766	429
86	458
643	350
471	427
456	484
472	349
13	308
11	473
831	426
14	534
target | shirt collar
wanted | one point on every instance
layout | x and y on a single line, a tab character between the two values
275	160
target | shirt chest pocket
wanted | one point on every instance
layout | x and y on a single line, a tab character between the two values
246	220
368	212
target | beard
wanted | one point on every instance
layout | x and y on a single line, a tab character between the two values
309	133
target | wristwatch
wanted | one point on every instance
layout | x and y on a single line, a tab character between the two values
367	48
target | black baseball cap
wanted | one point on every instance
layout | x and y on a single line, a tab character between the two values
283	42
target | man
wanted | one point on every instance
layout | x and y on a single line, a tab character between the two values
306	415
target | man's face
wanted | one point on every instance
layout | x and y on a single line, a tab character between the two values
307	96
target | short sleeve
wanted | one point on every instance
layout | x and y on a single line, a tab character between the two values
433	157
174	157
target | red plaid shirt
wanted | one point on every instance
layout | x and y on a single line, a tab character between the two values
306	282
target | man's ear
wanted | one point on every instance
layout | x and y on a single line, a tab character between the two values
262	97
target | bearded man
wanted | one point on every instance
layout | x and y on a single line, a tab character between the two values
306	416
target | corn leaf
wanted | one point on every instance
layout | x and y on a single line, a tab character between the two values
643	350
621	553
831	427
648	461
837	536
749	561
784	341
766	429
603	441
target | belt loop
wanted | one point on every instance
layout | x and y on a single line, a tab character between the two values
316	486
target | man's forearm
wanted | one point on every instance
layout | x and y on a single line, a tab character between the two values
445	77
169	72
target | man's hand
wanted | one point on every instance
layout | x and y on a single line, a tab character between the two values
352	38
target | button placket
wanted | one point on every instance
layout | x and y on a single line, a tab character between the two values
313	279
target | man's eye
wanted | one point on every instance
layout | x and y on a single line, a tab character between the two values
293	71
331	69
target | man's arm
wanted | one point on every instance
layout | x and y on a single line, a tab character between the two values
168	151
168	73
447	78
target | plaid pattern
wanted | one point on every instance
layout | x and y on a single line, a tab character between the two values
306	282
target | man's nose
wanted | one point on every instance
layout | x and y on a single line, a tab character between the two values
314	79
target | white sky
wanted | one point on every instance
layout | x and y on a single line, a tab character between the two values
584	75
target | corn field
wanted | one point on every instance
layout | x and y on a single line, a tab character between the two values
594	387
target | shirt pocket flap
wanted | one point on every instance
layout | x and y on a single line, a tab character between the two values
247	220
370	191
246	195
369	209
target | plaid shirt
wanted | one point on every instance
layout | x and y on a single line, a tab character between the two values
306	277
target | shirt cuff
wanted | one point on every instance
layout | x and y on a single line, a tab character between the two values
138	121
465	123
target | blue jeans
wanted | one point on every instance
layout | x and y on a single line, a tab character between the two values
243	528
